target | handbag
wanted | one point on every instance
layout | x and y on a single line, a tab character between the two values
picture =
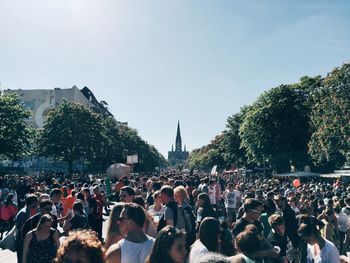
9	241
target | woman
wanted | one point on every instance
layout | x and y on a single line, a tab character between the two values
330	230
8	211
81	246
40	244
204	207
113	231
319	250
208	239
182	199
78	220
169	246
157	209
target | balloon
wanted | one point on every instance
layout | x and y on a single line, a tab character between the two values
296	183
118	170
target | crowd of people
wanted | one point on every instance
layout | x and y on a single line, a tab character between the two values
176	217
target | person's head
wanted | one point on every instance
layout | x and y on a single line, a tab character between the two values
86	192
209	233
81	247
113	221
96	190
131	218
45	222
32	201
78	207
55	195
203	200
167	194
280	201
252	209
277	223
9	198
248	242
140	201
157	197
329	214
230	187
309	229
169	246
127	194
46	206
180	194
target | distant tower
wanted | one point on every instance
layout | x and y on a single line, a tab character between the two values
178	154
178	141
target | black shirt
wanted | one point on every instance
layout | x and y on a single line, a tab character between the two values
242	223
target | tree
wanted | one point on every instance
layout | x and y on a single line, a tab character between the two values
71	132
14	132
330	144
275	129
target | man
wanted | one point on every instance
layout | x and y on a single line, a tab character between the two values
31	203
289	219
136	246
127	194
230	200
93	209
277	237
57	208
100	202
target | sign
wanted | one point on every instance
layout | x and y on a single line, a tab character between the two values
213	170
131	159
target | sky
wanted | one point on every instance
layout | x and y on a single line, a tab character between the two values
157	61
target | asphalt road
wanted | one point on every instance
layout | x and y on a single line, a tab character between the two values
7	256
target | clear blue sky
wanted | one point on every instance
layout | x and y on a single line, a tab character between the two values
157	62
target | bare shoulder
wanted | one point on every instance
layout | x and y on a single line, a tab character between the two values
114	254
236	259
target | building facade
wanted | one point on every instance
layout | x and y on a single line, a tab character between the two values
178	154
41	101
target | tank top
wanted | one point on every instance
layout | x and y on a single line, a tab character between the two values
42	251
135	252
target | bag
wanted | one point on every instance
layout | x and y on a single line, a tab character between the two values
9	242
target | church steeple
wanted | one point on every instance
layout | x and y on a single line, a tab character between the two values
178	142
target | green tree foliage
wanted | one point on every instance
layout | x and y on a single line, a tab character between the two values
276	129
14	133
330	118
71	132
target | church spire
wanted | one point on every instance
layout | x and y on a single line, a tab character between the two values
178	142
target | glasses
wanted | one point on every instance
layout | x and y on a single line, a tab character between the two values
255	211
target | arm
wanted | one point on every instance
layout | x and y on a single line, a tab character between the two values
26	247
56	238
114	254
67	226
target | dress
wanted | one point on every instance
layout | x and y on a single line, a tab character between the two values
42	251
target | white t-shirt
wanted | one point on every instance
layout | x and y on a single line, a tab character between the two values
238	197
212	195
230	199
328	254
135	252
197	250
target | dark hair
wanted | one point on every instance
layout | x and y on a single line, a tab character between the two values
139	200
31	199
251	203
55	191
248	241
78	206
43	220
129	190
135	213
205	198
162	245
309	225
167	190
45	202
208	233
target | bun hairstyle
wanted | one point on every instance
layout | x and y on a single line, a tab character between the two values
309	225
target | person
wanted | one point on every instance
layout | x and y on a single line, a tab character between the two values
157	209
100	202
41	244
277	237
204	208
230	201
169	246
81	246
208	239
149	227
127	194
136	246
113	228
8	211
319	250
45	208
184	209
31	203
171	216
330	230
78	220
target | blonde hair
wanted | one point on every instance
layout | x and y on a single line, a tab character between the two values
182	192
